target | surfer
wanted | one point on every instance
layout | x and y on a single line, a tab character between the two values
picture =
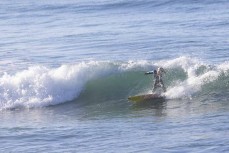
158	78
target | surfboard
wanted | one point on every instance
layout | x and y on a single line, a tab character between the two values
147	97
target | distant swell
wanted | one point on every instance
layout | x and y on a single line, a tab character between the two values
39	86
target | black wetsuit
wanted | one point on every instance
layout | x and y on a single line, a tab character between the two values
158	82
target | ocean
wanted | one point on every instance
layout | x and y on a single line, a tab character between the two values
68	67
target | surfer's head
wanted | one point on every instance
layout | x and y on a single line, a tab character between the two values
160	70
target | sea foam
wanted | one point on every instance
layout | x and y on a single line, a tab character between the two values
194	81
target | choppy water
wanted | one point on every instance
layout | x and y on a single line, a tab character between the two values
67	69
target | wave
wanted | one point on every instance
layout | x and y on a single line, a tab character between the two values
40	86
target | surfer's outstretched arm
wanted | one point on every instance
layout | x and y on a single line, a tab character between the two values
150	72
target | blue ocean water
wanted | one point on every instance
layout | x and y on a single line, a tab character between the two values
68	67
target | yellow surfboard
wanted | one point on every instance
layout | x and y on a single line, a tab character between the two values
147	97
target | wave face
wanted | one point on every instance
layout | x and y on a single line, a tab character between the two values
40	86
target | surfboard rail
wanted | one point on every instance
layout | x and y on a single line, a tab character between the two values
147	97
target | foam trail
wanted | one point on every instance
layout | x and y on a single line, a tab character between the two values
192	85
194	81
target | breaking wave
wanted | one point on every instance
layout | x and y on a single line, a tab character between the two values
40	86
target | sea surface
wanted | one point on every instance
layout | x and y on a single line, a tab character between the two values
68	67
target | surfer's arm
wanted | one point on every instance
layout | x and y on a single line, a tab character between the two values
150	72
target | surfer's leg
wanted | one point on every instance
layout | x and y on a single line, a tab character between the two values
163	86
155	85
